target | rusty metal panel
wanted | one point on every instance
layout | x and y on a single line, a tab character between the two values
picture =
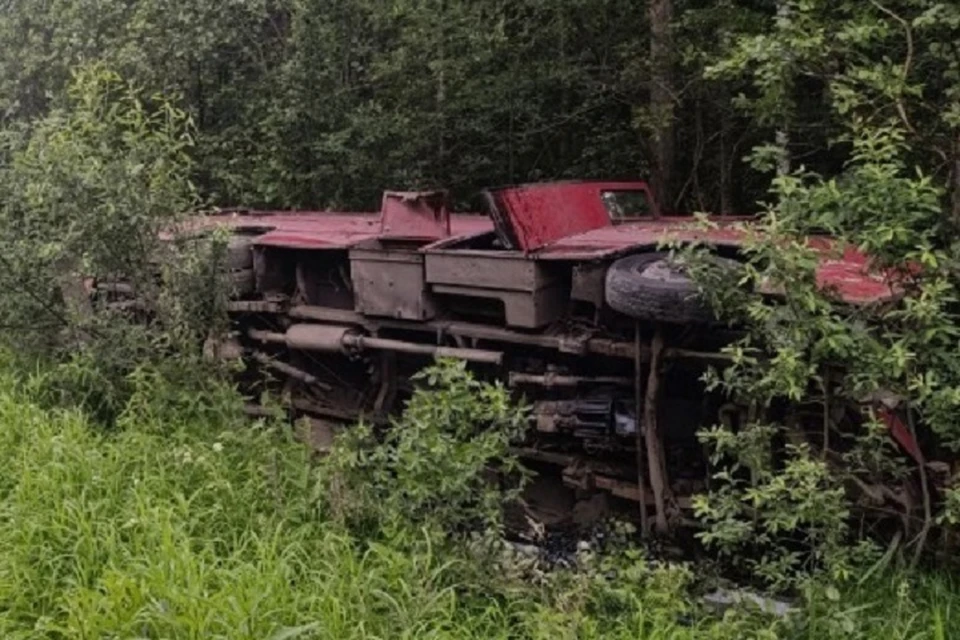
420	215
319	229
588	283
609	241
525	309
530	291
390	282
489	269
314	230
850	275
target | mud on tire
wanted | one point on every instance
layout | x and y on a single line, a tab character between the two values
650	286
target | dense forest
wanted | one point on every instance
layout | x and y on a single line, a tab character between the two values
316	103
132	506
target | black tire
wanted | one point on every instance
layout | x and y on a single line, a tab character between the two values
649	286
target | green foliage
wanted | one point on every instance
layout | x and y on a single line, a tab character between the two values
189	521
819	64
887	605
88	190
317	103
454	94
431	469
113	109
885	89
111	170
782	524
805	346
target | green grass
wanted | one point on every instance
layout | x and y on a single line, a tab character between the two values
185	522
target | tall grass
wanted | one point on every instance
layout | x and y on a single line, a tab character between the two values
187	522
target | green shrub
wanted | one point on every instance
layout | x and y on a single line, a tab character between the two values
431	468
85	194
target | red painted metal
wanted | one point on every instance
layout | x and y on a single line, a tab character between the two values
551	222
414	215
611	240
848	273
533	216
325	230
901	433
850	277
319	231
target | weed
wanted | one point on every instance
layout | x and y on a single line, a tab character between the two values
187	522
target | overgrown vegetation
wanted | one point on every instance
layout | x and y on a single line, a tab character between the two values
433	469
839	363
826	464
94	187
189	522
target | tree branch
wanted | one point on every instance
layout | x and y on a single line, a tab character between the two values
908	32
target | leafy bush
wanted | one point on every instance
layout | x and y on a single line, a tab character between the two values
87	190
811	369
431	468
86	194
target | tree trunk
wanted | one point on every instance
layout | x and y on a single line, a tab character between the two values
441	100
783	133
956	183
660	14
726	166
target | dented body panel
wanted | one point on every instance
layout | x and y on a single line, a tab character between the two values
549	222
323	229
533	216
347	306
